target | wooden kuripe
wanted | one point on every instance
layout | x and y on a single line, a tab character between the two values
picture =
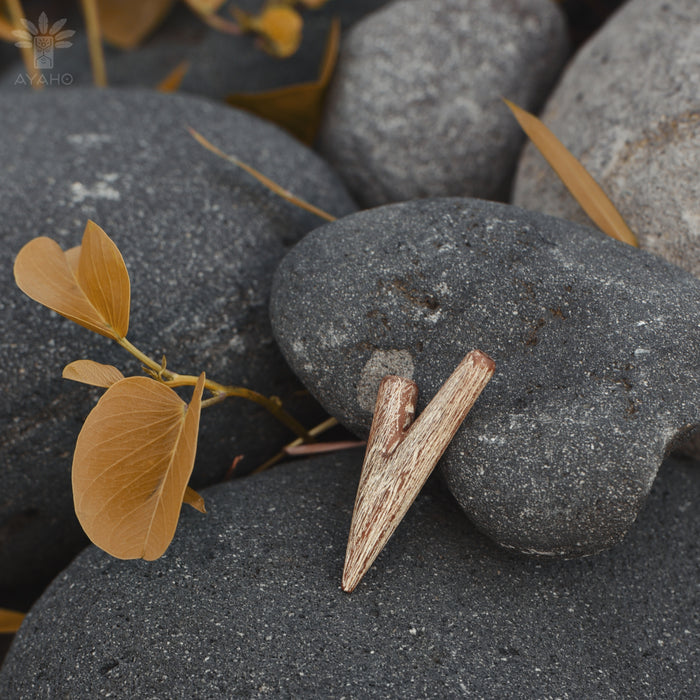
401	454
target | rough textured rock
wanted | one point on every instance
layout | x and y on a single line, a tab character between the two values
596	345
247	603
200	239
415	106
627	106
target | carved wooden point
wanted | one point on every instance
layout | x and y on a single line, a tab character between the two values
402	453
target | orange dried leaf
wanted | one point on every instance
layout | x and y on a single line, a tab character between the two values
10	621
192	498
126	23
205	7
94	373
278	27
132	462
577	179
89	285
296	108
172	81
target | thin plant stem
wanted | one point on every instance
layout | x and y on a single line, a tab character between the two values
314	432
270	184
14	7
220	391
97	56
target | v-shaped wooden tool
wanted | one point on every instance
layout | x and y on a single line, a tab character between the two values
400	455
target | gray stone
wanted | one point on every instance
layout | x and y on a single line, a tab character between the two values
247	603
627	107
201	240
415	106
596	345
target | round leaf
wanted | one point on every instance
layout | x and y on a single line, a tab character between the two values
132	462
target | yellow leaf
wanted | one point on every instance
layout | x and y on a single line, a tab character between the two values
126	23
89	285
296	108
10	621
132	462
192	498
578	181
205	7
278	27
94	373
172	81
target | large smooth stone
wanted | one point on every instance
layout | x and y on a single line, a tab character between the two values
627	107
247	603
415	106
597	351
201	240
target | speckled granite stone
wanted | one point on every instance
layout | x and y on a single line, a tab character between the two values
596	344
247	603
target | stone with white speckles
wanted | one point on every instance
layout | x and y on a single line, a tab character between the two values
628	107
415	106
596	344
247	604
200	239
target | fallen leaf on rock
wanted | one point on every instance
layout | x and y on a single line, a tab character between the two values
126	23
578	181
93	373
172	81
296	108
132	462
88	284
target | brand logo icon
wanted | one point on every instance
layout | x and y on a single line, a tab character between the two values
43	39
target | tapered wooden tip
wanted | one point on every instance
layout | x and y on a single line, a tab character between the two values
400	455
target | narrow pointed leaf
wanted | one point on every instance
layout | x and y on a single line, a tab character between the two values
94	373
577	179
192	498
103	276
132	462
43	23
126	23
172	81
10	621
88	284
296	108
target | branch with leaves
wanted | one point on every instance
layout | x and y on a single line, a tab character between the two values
135	453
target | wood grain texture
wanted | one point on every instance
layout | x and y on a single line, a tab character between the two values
401	454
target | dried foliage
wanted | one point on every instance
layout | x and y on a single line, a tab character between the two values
136	450
132	462
578	181
94	293
296	108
